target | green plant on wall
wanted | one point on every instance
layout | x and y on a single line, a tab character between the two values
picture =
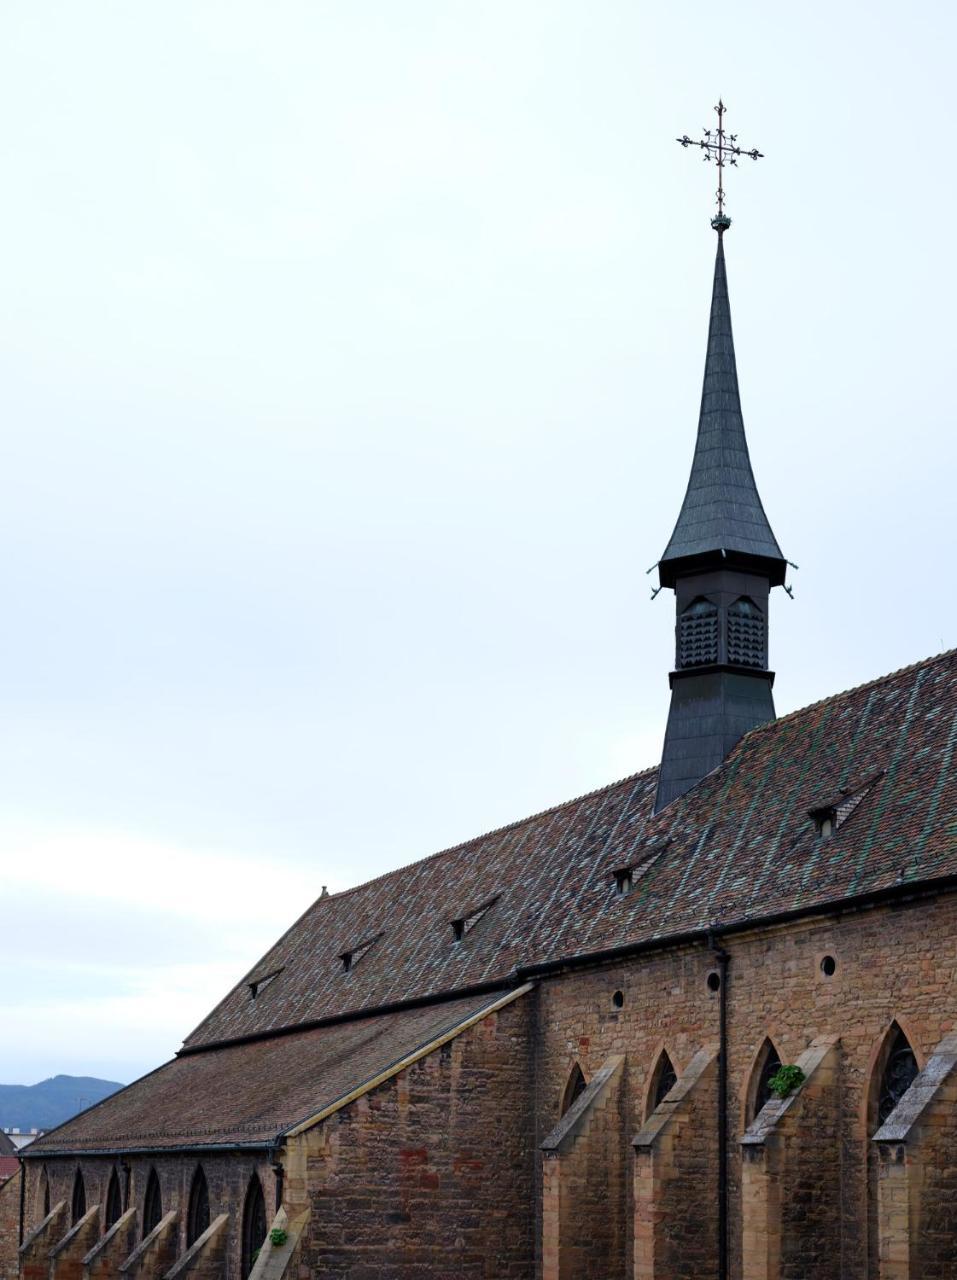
785	1080
277	1236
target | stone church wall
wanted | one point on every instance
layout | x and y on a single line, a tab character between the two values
9	1227
431	1173
889	964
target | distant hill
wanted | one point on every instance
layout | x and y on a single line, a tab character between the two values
49	1103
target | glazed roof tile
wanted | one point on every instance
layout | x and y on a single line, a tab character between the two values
250	1093
739	846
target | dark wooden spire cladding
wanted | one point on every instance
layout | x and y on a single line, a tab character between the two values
722	561
722	518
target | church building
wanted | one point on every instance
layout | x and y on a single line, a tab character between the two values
700	1024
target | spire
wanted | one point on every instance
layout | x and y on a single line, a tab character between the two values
722	518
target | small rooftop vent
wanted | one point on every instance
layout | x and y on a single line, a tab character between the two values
352	957
260	984
828	818
464	925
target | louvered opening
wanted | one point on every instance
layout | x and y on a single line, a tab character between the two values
462	926
746	634
352	957
698	634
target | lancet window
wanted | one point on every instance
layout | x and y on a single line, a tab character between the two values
254	1225
197	1219
152	1204
746	634
114	1201
899	1073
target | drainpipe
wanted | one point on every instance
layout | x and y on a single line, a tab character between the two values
277	1168
723	959
23	1196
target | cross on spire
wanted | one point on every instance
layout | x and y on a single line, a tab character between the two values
720	148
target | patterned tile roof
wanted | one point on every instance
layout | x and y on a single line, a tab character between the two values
739	846
250	1093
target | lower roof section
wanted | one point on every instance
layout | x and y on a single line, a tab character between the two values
251	1094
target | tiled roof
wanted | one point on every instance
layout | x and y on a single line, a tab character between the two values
722	509
8	1167
250	1093
740	845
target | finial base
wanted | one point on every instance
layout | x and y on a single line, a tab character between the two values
721	222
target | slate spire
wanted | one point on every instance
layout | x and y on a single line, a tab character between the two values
722	514
722	561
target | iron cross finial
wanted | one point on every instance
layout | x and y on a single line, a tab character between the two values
720	148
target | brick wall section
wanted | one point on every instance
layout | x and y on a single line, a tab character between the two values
205	1259
676	1180
584	1197
10	1227
891	963
109	1253
791	1177
38	1243
431	1173
227	1176
917	1176
66	1257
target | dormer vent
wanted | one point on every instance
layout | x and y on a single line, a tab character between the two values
624	881
352	957
464	925
828	818
259	985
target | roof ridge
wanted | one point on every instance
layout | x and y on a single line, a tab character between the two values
856	688
493	831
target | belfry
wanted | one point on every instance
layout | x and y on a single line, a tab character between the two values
722	560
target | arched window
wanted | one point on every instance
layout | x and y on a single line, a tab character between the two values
574	1088
254	1225
899	1072
663	1080
197	1219
698	634
78	1205
746	634
759	1092
152	1204
114	1201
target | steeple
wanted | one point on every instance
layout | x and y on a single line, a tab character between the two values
722	561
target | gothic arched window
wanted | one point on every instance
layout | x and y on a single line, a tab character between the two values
78	1205
663	1081
698	634
765	1067
574	1088
254	1225
152	1204
114	1201
900	1070
746	634
197	1219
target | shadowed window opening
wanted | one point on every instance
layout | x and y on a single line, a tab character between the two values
665	1079
899	1074
114	1201
197	1219
254	1225
714	982
352	957
78	1205
624	881
828	966
260	984
770	1062
152	1204
828	818
574	1089
464	925
698	634
746	634
46	1194
618	999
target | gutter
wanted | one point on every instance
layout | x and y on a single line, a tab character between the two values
116	1153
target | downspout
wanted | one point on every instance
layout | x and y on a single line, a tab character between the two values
275	1161
723	960
23	1197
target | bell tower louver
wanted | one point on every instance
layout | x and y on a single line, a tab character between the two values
721	561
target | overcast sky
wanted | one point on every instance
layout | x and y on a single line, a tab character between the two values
350	358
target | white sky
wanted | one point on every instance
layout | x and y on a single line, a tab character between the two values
350	357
